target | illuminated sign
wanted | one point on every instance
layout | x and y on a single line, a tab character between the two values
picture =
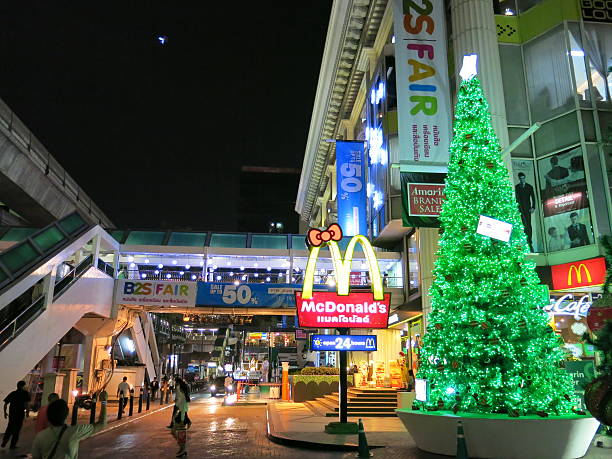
155	293
421	389
351	197
343	342
568	306
496	229
596	11
579	273
425	199
341	309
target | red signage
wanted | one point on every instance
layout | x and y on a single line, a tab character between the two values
330	310
579	273
425	199
565	203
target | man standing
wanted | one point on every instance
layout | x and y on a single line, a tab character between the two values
577	232
154	388
18	401
525	197
123	392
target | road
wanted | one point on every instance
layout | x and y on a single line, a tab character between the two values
217	432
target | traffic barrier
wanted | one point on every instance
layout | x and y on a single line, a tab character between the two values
75	413
131	402
92	411
364	450
140	401
120	412
462	452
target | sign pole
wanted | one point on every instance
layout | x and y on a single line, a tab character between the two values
343	381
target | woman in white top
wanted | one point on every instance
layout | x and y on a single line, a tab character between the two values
181	421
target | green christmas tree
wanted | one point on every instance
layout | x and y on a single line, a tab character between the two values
488	346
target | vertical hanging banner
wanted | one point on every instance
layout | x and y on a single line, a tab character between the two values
351	197
423	93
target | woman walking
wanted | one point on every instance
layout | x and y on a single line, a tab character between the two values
181	421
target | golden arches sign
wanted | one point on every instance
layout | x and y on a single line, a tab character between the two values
578	271
342	267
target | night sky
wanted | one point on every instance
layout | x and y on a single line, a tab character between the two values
156	134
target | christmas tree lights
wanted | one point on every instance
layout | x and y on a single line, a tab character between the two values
488	346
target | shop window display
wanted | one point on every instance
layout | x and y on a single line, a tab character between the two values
598	48
565	201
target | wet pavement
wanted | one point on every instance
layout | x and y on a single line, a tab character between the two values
217	432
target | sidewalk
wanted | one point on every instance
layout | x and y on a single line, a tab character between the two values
294	424
27	434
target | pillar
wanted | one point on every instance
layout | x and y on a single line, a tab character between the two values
428	246
474	31
69	384
52	382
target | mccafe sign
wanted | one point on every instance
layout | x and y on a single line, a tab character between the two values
342	309
570	305
579	273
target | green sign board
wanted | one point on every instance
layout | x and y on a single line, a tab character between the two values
582	372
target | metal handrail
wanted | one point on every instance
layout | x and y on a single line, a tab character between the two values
48	164
106	268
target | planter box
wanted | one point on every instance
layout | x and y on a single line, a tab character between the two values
309	387
501	437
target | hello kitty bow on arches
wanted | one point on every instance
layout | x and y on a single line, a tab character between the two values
317	237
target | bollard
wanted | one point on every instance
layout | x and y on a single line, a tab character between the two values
462	452
148	399
140	401
161	397
75	413
131	402
92	412
120	413
167	396
364	450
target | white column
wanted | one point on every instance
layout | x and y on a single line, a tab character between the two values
428	246
474	31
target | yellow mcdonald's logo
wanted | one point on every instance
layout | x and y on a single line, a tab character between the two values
342	267
578	271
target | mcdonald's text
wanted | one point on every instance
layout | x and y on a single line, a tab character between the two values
355	310
579	273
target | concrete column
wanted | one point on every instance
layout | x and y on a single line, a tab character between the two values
474	31
69	384
428	246
52	382
95	250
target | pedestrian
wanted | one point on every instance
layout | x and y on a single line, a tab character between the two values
60	441
123	392
154	388
41	418
181	398
181	421
18	400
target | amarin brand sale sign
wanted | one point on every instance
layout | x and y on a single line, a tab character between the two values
342	309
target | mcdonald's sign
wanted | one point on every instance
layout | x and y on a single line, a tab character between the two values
579	273
343	309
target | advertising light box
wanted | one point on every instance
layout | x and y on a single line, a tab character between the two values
343	342
496	229
330	310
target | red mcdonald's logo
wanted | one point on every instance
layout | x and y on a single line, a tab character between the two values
579	273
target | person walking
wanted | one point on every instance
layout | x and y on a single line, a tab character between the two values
180	420
60	441
18	401
123	392
154	388
41	418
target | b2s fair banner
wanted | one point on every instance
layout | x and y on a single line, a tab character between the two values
155	293
330	310
423	93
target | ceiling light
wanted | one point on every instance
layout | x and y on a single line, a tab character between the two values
187	266
173	262
146	260
193	277
244	277
182	272
202	263
218	278
156	271
160	266
132	265
267	279
242	268
256	275
256	264
269	268
130	258
168	276
143	276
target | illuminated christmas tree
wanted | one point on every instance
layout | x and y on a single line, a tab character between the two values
488	346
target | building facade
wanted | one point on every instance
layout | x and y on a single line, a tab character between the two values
544	67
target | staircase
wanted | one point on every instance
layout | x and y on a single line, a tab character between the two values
361	403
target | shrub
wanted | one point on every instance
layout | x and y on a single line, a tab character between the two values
320	371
